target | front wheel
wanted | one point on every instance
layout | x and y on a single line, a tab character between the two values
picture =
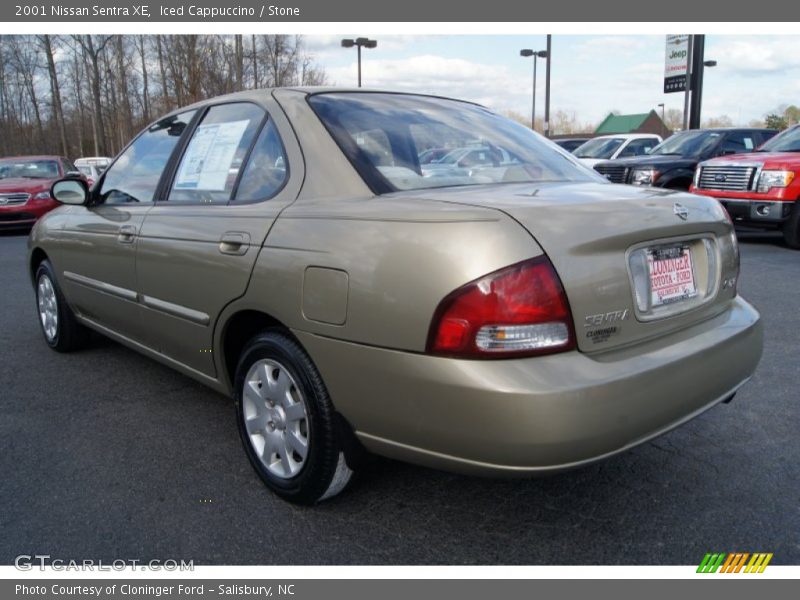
287	422
60	328
791	229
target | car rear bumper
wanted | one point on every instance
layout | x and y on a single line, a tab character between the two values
536	415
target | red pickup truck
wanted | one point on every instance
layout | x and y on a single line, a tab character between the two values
759	189
25	188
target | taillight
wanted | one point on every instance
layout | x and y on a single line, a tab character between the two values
521	310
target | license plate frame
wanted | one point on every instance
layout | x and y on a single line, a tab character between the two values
671	274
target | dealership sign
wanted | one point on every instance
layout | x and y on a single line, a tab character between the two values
676	63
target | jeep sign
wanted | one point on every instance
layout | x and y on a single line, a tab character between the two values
676	60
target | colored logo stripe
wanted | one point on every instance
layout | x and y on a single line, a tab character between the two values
758	563
710	563
734	562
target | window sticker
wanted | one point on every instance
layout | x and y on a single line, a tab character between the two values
208	159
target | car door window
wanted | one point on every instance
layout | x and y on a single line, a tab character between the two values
737	142
134	176
266	169
639	147
213	158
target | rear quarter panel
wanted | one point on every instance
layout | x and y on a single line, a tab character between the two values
401	258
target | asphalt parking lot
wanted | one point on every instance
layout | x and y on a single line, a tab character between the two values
108	455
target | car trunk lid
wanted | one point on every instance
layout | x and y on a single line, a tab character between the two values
604	240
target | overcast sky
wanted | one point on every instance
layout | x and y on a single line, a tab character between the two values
591	75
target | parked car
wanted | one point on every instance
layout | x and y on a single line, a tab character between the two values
532	324
92	167
25	183
611	147
759	189
433	154
671	164
571	144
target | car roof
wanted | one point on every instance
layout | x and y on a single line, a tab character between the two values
262	94
723	129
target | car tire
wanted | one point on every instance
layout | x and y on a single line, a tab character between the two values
287	423
791	228
60	328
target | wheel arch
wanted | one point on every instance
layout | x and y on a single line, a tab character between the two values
37	256
236	330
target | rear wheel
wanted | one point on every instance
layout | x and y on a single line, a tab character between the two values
286	421
791	229
60	328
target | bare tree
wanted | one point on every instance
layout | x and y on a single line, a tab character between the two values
71	94
55	91
93	50
141	49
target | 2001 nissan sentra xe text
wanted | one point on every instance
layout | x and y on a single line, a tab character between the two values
504	312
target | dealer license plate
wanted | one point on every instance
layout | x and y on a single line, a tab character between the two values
671	275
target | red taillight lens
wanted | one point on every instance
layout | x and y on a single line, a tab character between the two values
518	311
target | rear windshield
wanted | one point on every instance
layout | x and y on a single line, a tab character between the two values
389	139
29	169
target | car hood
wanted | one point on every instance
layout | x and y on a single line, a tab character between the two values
658	162
21	184
591	162
775	160
587	230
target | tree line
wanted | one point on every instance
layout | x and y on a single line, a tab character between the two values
88	95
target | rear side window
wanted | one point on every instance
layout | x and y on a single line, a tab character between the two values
135	175
739	141
213	158
266	169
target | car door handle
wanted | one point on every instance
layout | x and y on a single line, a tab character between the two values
126	234
234	242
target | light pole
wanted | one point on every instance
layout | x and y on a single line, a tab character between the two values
547	87
536	56
359	43
661	106
699	63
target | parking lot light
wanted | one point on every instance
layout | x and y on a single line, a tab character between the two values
536	54
359	43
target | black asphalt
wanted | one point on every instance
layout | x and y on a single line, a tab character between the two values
105	454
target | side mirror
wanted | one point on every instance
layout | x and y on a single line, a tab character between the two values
70	191
73	174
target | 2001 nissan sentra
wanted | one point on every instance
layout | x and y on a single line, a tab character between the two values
511	314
